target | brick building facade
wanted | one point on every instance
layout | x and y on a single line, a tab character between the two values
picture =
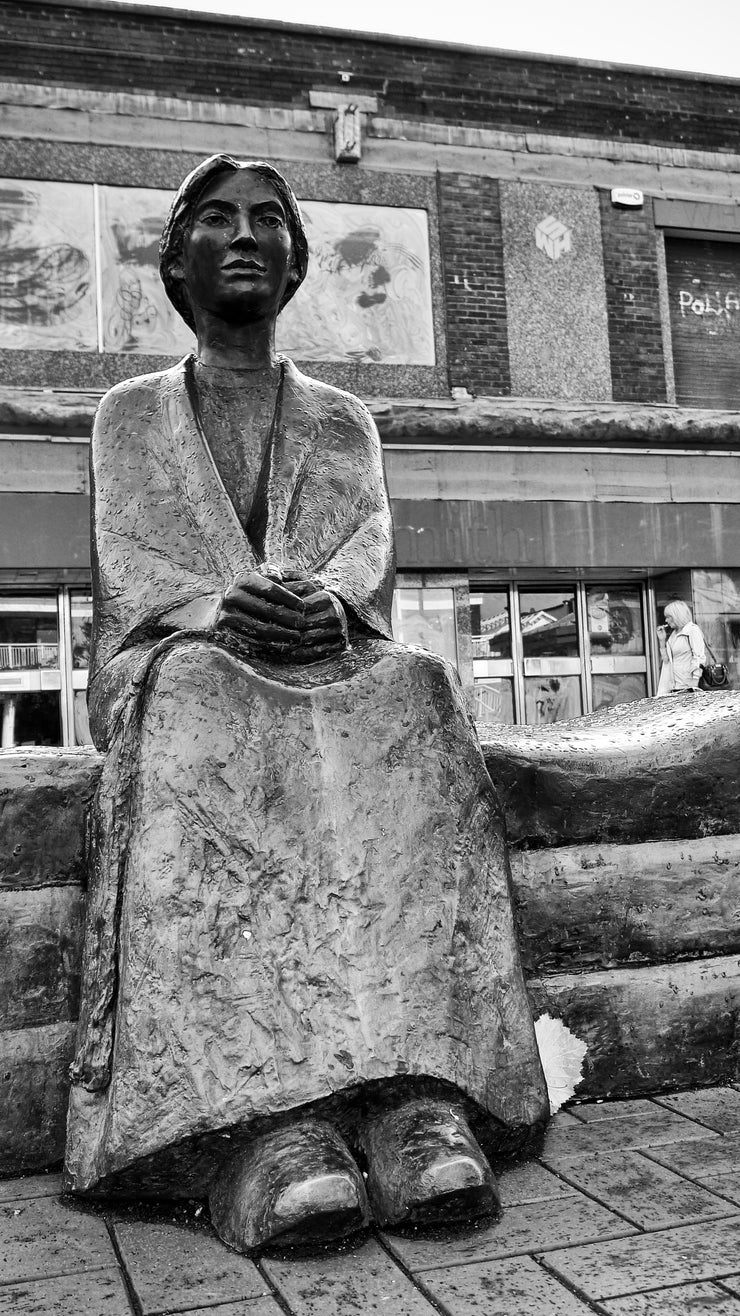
529	269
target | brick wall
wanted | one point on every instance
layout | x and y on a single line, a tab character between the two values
473	263
251	61
632	298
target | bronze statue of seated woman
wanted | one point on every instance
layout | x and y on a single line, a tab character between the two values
301	989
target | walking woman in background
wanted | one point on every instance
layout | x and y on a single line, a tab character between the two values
681	649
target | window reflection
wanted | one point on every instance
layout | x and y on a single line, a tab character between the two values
615	621
716	608
549	699
29	632
426	618
30	719
617	688
549	624
81	605
494	700
490	625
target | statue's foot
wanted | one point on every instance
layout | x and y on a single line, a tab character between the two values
296	1185
425	1166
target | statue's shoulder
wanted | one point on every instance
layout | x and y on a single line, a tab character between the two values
334	405
128	397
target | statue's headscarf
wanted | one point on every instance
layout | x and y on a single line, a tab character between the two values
180	217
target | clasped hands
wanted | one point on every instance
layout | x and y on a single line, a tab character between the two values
291	620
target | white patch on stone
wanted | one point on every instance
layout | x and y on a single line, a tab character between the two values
562	1055
553	237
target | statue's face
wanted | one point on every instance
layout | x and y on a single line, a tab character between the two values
238	254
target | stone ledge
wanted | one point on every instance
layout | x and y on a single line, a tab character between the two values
656	769
44	795
477	421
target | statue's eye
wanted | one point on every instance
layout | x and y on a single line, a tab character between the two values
270	221
213	218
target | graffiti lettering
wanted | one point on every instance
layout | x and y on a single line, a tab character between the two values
709	304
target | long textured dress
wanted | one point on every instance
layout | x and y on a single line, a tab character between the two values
298	883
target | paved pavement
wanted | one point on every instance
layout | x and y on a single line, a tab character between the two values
632	1209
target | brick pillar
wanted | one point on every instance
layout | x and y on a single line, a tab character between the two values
472	254
633	305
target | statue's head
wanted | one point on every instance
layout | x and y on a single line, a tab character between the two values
203	182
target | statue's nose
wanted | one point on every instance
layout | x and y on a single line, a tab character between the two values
243	231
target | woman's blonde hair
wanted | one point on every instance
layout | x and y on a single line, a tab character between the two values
679	613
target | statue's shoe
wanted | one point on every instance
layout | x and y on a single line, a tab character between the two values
296	1185
425	1166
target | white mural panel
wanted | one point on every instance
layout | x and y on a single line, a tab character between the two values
136	313
47	266
368	295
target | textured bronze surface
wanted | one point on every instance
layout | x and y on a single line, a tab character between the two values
425	1166
655	769
295	1183
299	887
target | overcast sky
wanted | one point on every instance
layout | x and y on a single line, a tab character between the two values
701	36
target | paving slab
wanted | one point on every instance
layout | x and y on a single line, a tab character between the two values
732	1282
33	1185
530	1182
651	1130
45	1236
697	1160
358	1280
645	1193
98	1293
723	1185
514	1287
717	1108
595	1112
682	1301
175	1266
533	1227
636	1265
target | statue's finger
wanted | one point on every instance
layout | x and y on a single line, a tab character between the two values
320	635
258	629
261	587
263	609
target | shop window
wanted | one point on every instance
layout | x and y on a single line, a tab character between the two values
29	633
44	656
30	718
715	602
426	618
704	297
81	614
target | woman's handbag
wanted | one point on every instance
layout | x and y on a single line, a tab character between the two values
714	675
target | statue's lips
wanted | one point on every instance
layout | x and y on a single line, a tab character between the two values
245	268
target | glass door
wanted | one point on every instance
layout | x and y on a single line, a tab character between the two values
616	640
551	656
547	654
